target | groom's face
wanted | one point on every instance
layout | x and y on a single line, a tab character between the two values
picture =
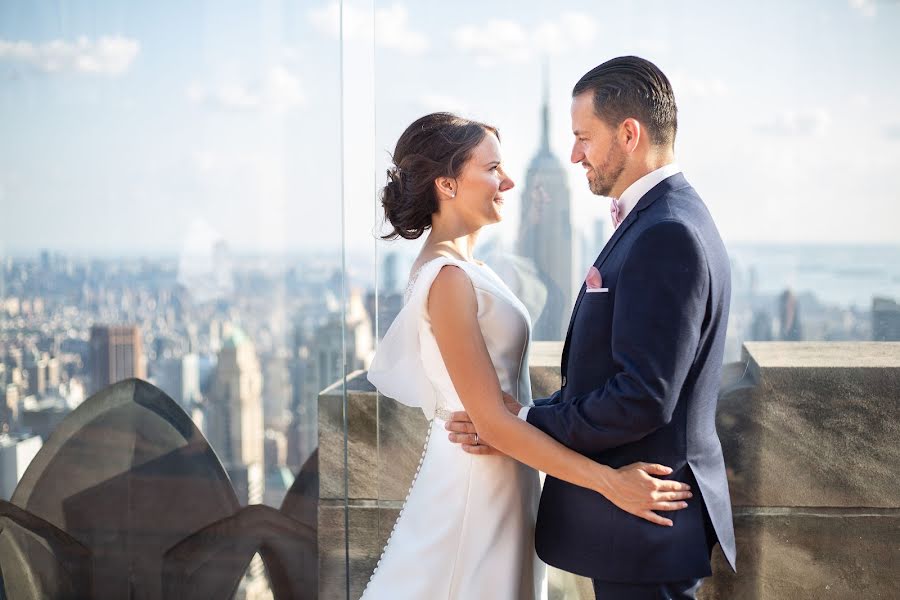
597	147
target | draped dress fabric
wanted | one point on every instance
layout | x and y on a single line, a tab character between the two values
466	529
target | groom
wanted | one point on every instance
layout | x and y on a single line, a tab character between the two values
643	354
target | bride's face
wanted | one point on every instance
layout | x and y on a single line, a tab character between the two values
479	197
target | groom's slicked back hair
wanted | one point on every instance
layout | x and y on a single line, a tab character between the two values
633	87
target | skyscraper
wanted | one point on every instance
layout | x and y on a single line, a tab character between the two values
16	453
36	368
179	378
115	355
385	302
329	344
235	416
319	362
545	233
885	320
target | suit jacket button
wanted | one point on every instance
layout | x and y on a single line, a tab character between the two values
564	381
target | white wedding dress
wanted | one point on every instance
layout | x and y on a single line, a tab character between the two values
466	530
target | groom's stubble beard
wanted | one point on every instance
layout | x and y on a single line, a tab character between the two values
607	174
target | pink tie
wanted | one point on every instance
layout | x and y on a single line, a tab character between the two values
614	210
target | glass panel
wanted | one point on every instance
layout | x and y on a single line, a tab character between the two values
773	103
171	297
360	408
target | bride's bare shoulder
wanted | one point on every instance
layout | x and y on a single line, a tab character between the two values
426	258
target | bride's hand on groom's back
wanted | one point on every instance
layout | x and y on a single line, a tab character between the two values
635	490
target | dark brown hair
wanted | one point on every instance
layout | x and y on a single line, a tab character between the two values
436	145
632	87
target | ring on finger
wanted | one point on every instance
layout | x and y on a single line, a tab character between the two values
476	439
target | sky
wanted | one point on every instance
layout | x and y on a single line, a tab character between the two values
146	127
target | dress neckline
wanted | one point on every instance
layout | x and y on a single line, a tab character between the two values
415	275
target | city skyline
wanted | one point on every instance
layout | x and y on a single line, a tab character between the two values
124	135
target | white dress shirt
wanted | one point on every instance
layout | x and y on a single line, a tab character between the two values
627	201
637	190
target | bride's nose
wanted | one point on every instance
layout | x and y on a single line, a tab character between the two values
507	184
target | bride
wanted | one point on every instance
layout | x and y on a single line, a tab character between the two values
461	343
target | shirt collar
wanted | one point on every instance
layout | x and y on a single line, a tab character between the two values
634	192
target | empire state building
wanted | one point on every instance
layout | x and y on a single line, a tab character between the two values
545	234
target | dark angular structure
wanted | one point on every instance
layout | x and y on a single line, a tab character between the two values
128	500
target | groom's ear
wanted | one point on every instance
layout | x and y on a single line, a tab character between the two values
445	188
630	132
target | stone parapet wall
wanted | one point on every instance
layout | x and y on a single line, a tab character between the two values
810	435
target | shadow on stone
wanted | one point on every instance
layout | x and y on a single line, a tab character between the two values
211	562
301	502
128	475
39	560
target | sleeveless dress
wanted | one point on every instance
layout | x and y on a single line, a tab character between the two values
466	530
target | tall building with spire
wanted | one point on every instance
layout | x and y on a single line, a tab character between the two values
545	232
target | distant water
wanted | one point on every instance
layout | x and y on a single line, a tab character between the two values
837	275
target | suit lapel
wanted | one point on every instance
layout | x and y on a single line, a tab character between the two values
616	236
674	182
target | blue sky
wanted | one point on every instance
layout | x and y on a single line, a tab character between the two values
156	126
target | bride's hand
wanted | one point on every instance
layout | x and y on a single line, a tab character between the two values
634	489
462	430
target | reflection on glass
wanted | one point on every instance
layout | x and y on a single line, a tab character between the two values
174	181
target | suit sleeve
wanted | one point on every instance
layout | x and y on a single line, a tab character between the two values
548	401
660	303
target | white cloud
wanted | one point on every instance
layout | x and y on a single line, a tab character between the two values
392	31
107	55
327	19
290	55
391	28
866	7
648	47
793	123
503	41
860	100
205	160
497	42
279	90
892	132
443	103
686	86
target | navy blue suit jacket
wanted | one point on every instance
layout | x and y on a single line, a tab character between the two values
640	382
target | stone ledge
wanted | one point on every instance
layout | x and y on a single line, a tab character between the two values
818	355
808	557
815	429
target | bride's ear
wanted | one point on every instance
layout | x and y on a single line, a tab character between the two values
445	187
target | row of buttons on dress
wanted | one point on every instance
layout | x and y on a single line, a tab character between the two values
416	476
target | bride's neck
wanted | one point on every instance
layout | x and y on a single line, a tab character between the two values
460	246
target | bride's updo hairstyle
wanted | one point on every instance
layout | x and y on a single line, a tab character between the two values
436	145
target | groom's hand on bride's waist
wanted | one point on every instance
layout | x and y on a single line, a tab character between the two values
462	430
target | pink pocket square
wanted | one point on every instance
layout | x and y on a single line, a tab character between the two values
594	282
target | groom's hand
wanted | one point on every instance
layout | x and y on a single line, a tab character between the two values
463	430
636	491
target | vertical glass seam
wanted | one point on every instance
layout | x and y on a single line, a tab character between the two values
344	311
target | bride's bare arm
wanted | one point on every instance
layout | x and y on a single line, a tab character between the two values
452	308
